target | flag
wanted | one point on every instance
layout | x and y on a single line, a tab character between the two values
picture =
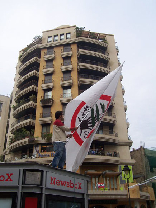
87	111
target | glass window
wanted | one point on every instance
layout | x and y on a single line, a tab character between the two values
49	64
68	35
46	112
49	39
46	128
67	48
55	38
62	37
47	78
66	61
66	75
66	93
50	51
47	94
6	202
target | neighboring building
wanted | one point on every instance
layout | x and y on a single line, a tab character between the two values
51	71
145	166
4	109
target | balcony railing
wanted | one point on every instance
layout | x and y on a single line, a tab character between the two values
45	115
33	82
103	153
46	101
84	47
27	58
23	73
86	76
66	78
22	102
93	63
29	116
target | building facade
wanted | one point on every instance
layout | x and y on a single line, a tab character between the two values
51	71
4	110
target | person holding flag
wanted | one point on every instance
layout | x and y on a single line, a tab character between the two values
59	139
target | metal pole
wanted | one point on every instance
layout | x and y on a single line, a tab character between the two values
129	193
19	189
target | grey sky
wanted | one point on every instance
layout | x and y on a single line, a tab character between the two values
133	24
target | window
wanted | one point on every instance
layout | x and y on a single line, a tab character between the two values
100	130
49	39
49	64
46	128
55	38
67	48
46	148
67	76
110	129
68	35
63	108
67	61
46	112
62	37
66	93
47	94
48	78
50	51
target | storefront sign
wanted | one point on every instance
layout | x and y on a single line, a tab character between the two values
9	177
64	182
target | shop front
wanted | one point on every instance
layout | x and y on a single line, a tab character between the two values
32	185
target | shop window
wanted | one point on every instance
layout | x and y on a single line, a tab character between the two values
55	38
49	64
62	37
49	39
67	76
6	202
67	48
66	93
67	61
68	35
50	51
47	94
47	78
46	148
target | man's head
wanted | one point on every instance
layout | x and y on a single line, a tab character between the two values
58	115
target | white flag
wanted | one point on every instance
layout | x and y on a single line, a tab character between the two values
87	111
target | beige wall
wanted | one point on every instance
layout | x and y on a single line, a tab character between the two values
3	119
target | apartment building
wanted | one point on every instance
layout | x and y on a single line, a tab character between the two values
4	109
51	71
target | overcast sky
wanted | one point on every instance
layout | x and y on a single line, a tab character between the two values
133	23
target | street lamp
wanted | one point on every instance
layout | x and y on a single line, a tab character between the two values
126	170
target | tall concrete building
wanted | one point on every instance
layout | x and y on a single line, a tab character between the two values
4	110
51	71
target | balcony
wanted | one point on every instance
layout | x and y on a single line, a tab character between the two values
47	84
94	67
46	101
31	61
49	56
23	106
98	155
66	68
66	54
28	120
110	118
92	53
45	118
66	98
111	137
66	81
27	76
88	79
48	70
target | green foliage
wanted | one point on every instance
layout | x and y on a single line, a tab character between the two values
1	158
79	31
47	136
33	98
93	35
